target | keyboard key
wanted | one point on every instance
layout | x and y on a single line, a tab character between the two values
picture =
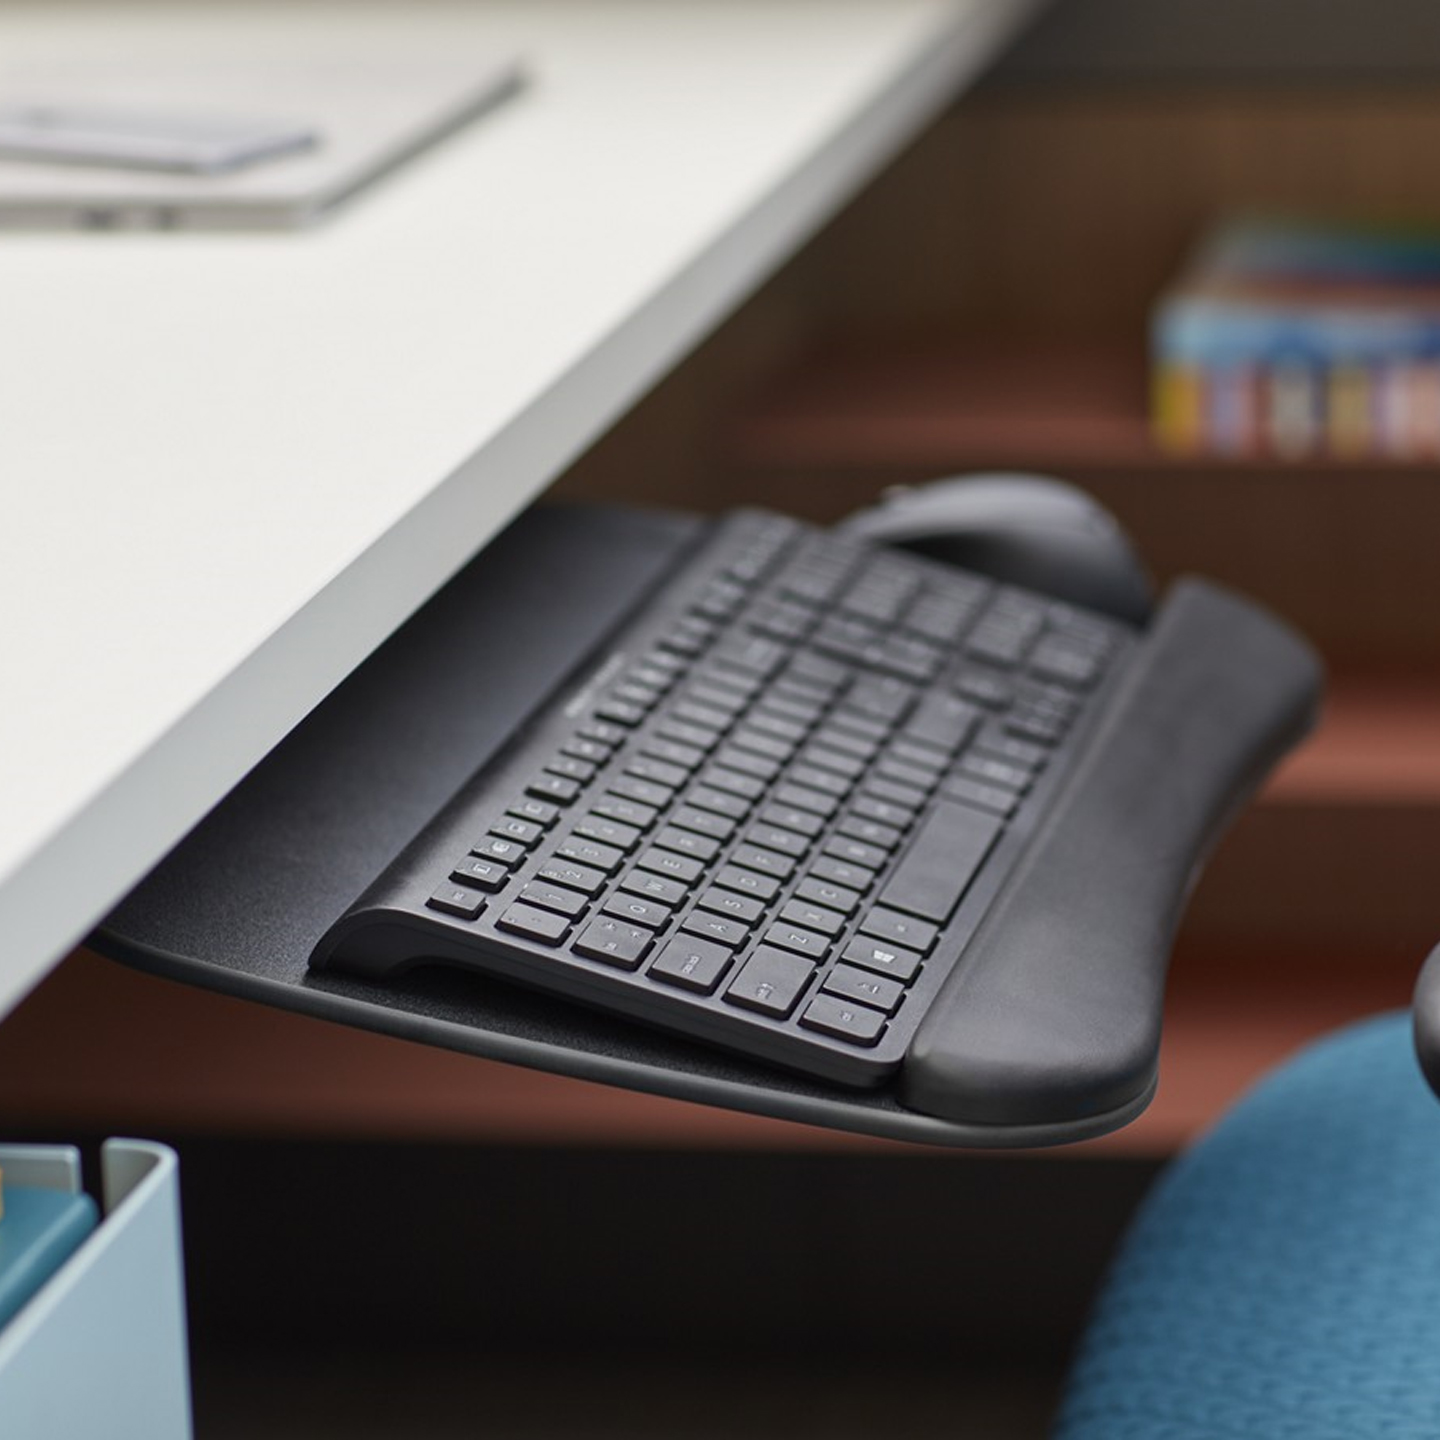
898	773
941	861
765	722
621	712
655	887
689	712
608	832
872	832
457	900
628	812
553	787
646	767
811	777
942	721
882	811
726	902
866	727
747	762
860	747
686	842
604	731
719	802
482	873
884	959
523	832
849	766
795	937
900	929
590	852
667	862
787	817
576	877
855	852
993	740
576	769
554	897
691	963
802	797
672	752
771	837
747	737
813	917
703	822
723	697
816	671
632	694
747	882
996	772
797	706
643	792
652	676
858	1024
695	737
732	782
534	924
719	928
881	698
851	983
635	911
841	872
767	862
506	852
910	752
832	897
770	981
908	797
986	688
982	797
538	812
752	653
614	942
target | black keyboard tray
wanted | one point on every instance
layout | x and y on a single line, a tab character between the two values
240	903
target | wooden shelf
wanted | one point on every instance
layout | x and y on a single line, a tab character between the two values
930	405
1378	744
99	1048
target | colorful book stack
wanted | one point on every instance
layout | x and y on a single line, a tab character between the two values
1296	339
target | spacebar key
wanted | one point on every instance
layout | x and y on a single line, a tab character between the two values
942	861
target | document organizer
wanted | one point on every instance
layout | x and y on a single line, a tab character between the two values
240	903
100	1349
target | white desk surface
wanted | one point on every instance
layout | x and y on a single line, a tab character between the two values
231	465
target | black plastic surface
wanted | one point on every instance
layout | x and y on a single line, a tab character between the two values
1056	1008
1028	530
1426	1012
240	903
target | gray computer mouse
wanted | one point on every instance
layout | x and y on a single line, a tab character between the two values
1025	529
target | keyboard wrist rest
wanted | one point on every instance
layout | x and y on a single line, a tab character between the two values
1055	1009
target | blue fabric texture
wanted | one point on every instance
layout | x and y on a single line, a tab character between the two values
1283	1278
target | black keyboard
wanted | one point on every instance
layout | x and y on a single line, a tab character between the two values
773	808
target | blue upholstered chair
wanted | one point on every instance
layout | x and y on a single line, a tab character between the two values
1282	1281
